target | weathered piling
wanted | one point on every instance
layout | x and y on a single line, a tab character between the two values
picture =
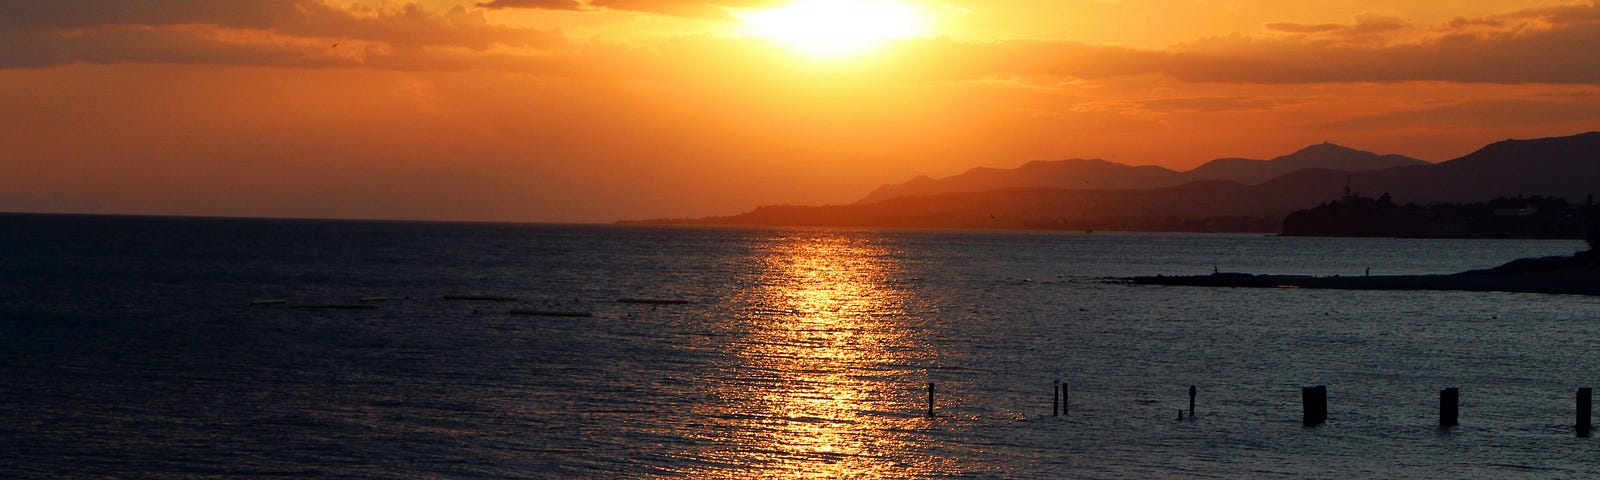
1585	406
1191	401
1449	407
1315	400
1055	401
930	399
1065	400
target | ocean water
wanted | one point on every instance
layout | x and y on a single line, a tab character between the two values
131	347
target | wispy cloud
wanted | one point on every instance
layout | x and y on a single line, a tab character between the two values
718	10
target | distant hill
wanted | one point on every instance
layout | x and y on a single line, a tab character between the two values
1095	174
1562	167
1320	156
1091	174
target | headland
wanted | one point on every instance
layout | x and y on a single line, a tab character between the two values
1575	275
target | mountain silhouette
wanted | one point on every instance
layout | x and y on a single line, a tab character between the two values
1562	167
1096	174
1323	155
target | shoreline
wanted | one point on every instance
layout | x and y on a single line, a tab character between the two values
1552	275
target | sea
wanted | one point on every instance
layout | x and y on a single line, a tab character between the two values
191	348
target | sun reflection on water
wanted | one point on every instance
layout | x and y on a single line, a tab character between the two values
826	355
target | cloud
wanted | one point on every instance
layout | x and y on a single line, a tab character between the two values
1560	14
1208	104
1542	18
1366	29
132	45
71	14
203	46
1303	28
1560	52
1548	45
542	4
1556	55
1478	114
717	10
293	33
408	25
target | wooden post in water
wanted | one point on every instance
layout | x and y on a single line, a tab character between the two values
930	399
1191	402
1055	401
1449	407
1585	406
1316	404
1065	400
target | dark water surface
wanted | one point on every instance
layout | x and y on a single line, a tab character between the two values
129	347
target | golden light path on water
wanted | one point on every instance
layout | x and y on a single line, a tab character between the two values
827	354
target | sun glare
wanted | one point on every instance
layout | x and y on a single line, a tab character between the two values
837	28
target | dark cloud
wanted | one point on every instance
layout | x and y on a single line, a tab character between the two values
407	25
295	33
147	45
1561	53
70	14
1560	15
1365	26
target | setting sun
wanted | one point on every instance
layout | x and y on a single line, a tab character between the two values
837	28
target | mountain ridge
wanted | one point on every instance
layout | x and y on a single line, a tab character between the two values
1103	174
1562	167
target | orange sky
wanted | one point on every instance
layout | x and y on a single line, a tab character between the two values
598	110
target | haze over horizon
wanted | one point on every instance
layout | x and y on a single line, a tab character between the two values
601	110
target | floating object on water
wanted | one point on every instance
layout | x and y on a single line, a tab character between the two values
335	306
485	298
268	301
654	301
378	299
550	313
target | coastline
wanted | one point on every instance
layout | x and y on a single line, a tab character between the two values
1551	275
